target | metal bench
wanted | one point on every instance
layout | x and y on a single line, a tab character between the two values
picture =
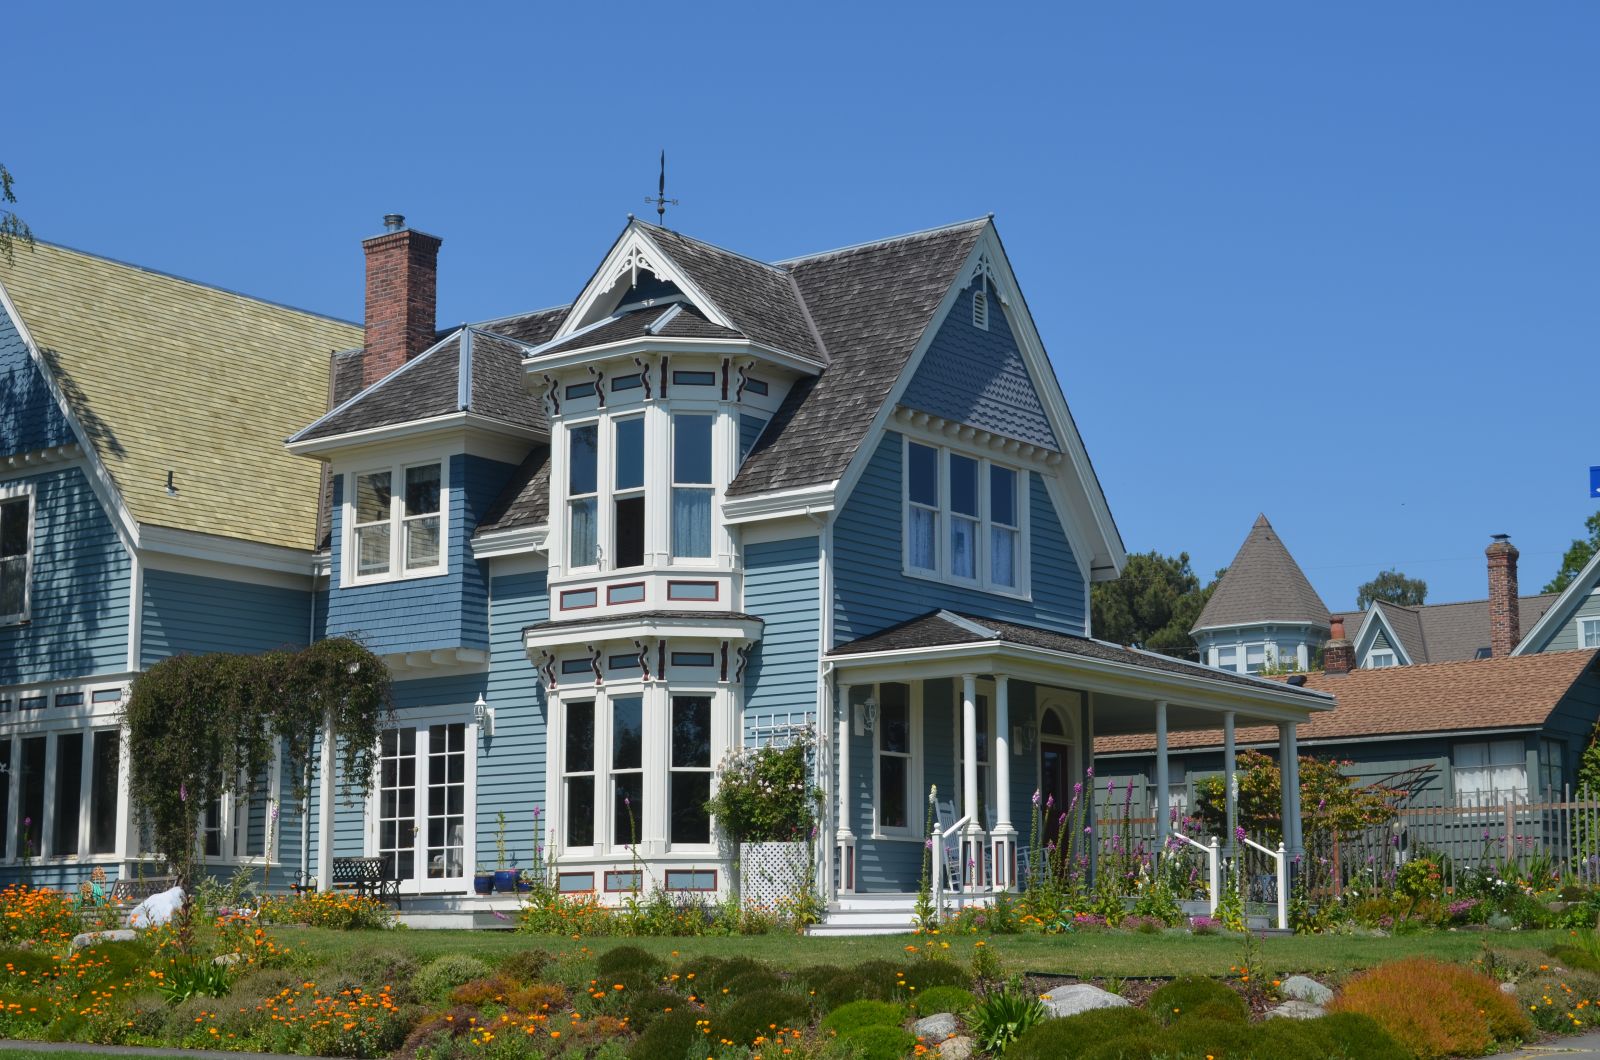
366	877
134	890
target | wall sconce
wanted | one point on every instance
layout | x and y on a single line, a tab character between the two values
483	714
866	716
1024	738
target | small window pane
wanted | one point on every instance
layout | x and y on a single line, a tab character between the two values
422	490
372	497
894	718
630	453
69	792
1003	557
372	548
30	811
892	776
584	545
627	732
691	523
13	582
963	485
690	822
1003	495
924	475
924	547
691	731
14	527
580	737
583	459
629	549
580	811
691	450
1590	632
422	543
963	547
627	811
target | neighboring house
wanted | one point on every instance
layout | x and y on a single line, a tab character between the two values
1570	620
1263	613
716	502
146	508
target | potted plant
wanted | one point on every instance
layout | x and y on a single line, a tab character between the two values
505	879
482	881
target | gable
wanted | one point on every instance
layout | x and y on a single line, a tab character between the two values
1556	628
30	419
976	375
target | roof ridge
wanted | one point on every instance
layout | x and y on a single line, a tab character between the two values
1548	658
713	246
919	233
191	281
482	325
375	387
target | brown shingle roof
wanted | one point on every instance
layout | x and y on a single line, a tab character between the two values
1516	691
1263	584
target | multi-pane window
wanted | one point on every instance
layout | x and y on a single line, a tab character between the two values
30	799
1588	632
627	495
583	495
1552	778
397	803
422	817
689	770
691	486
1489	772
894	756
1379	658
627	768
397	531
16	531
578	766
964	518
447	800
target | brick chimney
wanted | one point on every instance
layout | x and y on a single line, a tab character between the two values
1338	655
1505	623
402	288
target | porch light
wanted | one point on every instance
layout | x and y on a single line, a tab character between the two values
868	713
483	714
1025	737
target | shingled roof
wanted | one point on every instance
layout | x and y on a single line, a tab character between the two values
1447	632
1263	584
1507	692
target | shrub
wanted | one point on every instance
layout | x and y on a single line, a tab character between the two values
761	1015
525	966
1196	997
1287	1039
943	999
329	909
1433	1008
482	991
540	997
1075	1035
847	987
39	916
1208	1037
750	983
447	972
376	967
924	975
721	973
857	1014
1360	1038
669	1036
626	958
647	1006
880	972
1001	1018
1560	1003
880	1042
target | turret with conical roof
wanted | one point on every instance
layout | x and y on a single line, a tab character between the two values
1263	611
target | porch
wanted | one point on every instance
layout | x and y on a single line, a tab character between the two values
982	714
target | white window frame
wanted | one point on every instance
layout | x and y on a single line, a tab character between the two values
613	493
1588	632
1231	665
712	487
916	808
944	521
601	495
422	719
26	492
350	568
1382	658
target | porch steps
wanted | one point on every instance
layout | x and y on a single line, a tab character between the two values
878	914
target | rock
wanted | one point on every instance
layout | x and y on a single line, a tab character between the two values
1508	988
227	958
94	938
1296	1009
1304	988
961	1048
1082	997
935	1028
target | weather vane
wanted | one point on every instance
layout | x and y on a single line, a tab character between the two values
660	200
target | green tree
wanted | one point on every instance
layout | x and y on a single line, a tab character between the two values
13	229
1392	587
1581	552
1154	604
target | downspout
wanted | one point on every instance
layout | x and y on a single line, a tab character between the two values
825	707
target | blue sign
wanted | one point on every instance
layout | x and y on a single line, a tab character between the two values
1594	482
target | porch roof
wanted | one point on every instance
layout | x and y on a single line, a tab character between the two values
1127	681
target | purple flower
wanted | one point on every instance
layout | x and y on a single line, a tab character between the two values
183	792
1077	789
1239	832
1050	803
27	822
537	811
1089	772
1036	796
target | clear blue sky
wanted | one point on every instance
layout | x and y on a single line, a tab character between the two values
1335	262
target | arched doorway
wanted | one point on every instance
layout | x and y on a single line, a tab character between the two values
1057	767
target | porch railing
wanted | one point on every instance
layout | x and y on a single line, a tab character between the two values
1280	874
1213	854
939	855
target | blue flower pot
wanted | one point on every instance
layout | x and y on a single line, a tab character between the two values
505	881
483	883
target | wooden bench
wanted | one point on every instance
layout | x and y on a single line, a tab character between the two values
366	877
133	890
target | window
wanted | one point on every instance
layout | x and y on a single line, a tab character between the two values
579	773
627	495
381	521
1255	658
1378	658
68	794
627	769
421	810
447	801
1228	657
894	757
1552	775
691	486
103	791
689	770
964	519
583	486
30	798
16	549
1489	772
397	803
1588	631
5	791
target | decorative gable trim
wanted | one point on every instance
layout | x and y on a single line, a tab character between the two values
634	250
1561	610
1376	620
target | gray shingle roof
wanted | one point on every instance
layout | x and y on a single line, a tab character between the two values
681	321
939	628
1263	584
525	500
1454	631
640	616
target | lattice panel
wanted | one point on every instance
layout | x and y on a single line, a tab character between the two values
769	872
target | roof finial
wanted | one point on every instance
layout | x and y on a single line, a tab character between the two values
660	201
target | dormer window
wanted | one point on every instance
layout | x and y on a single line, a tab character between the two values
691	486
583	496
627	495
397	533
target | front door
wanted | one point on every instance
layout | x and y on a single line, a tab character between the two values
422	812
1055	785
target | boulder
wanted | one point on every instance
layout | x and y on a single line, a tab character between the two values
962	1048
1082	997
1295	1009
935	1028
157	909
1508	988
1304	988
94	938
227	958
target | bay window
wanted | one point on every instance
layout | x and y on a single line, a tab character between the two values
578	771
627	769
583	495
396	532
964	519
65	793
627	496
16	548
690	770
691	486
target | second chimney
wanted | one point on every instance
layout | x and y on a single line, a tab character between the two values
1338	655
1505	623
402	294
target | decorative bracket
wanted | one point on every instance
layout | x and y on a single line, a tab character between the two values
744	377
644	658
744	660
644	375
594	664
552	396
547	667
599	384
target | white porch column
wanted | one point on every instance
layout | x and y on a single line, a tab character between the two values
1230	767
1293	839
971	848
844	839
1290	809
1160	807
1003	843
1091	813
325	818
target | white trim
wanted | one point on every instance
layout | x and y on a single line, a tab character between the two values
39	459
780	504
1374	655
229	551
136	568
1561	608
983	530
1578	623
436	662
515	541
420	719
410	430
26	492
635	627
633	250
536	363
1368	632
397	521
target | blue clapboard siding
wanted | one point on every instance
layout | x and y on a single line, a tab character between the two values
449	610
511	766
30	419
190	614
781	587
871	593
974	376
79	621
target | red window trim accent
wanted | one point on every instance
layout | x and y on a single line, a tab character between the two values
716	592
579	607
678	872
560	876
625	585
623	872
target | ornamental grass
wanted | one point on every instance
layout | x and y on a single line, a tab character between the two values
1435	1009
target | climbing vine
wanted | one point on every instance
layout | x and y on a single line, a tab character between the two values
201	726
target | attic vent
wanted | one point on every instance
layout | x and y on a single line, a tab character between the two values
980	310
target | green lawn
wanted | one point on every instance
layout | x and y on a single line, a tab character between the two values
1084	954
